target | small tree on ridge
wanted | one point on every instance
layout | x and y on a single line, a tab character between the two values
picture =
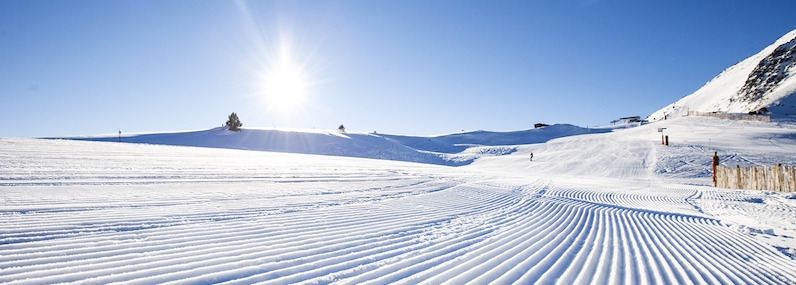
233	124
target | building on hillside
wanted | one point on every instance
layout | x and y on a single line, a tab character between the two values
539	125
629	120
633	119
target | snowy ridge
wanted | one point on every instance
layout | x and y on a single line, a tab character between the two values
442	150
93	212
455	143
637	153
765	79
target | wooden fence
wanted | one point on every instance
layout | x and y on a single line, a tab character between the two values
774	178
732	116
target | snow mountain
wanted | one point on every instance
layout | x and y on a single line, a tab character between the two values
764	80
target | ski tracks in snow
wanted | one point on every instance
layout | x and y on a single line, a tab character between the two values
360	222
442	232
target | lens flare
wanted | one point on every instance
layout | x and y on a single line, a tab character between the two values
286	86
284	60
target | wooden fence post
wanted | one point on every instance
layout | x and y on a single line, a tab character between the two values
767	177
754	178
792	179
778	175
737	177
726	180
762	178
726	172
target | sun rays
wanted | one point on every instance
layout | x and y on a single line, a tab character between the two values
285	86
282	63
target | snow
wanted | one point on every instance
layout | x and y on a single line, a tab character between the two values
721	94
637	153
597	207
443	150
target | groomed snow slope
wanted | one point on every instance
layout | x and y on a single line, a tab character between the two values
98	212
636	156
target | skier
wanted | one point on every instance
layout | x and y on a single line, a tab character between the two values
532	156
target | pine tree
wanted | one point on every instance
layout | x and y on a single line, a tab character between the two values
233	124
341	128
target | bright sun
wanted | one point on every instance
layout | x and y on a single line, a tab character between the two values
286	87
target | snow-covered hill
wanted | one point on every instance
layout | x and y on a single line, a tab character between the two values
443	150
764	80
610	208
638	153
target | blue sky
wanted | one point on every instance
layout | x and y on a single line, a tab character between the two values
402	67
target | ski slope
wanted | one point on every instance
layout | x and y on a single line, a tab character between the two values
637	153
600	208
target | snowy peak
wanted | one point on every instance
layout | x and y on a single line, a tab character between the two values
764	80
